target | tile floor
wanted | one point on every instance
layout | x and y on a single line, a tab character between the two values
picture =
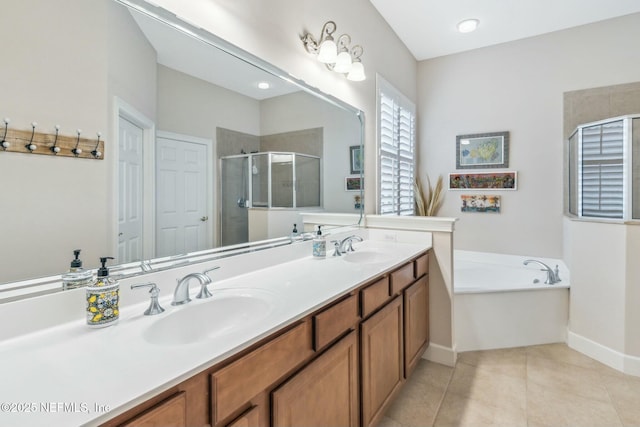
544	385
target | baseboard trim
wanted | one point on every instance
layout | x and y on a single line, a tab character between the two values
440	354
610	357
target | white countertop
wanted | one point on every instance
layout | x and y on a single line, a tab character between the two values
72	375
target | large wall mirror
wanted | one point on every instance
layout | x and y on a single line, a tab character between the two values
206	145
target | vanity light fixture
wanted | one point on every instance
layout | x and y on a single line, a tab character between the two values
468	25
338	56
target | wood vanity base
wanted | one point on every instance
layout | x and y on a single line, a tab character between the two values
340	366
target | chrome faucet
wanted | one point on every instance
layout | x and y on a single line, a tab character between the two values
181	294
154	305
552	276
346	245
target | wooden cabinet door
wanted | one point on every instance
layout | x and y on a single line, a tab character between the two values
324	393
235	385
170	413
416	322
250	418
382	360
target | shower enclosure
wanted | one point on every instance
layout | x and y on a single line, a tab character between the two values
264	180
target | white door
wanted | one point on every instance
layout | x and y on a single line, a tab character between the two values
129	191
182	214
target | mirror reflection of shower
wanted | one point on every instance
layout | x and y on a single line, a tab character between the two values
265	182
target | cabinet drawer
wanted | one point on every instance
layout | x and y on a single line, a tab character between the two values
334	321
170	412
401	278
422	265
234	385
374	296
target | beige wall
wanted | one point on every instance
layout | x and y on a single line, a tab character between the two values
190	106
52	77
518	87
598	278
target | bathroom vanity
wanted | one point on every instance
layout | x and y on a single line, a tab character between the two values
308	373
326	342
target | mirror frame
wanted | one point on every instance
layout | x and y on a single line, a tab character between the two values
13	291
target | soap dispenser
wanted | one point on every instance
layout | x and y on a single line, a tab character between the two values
294	232
319	245
103	297
76	277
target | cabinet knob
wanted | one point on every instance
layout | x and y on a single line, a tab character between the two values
204	218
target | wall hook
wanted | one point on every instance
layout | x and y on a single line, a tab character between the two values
77	151
5	144
95	151
55	149
31	146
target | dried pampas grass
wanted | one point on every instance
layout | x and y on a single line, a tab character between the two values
429	203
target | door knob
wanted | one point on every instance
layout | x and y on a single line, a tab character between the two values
204	218
120	234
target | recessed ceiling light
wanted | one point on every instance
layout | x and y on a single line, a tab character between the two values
468	25
263	85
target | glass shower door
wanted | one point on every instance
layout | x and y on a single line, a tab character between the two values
234	216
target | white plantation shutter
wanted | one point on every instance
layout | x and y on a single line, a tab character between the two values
396	132
602	173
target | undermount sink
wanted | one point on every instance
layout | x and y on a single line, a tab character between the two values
227	311
367	257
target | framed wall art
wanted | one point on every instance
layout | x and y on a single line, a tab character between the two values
493	180
352	183
355	159
480	203
482	150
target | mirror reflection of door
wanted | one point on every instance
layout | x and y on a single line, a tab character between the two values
182	195
130	191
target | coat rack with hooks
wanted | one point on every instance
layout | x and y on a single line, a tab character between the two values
52	144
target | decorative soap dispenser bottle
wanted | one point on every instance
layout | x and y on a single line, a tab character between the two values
103	297
76	277
319	245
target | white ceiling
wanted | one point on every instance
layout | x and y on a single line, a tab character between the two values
428	27
184	53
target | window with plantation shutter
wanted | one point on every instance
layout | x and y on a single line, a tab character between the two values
603	174
396	142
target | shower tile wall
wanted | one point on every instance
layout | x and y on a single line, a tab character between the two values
307	141
230	143
590	105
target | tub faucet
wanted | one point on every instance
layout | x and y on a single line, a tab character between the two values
552	276
181	294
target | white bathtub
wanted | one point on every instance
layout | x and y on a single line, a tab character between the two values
501	303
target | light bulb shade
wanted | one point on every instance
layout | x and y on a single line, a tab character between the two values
328	52
357	72
343	63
